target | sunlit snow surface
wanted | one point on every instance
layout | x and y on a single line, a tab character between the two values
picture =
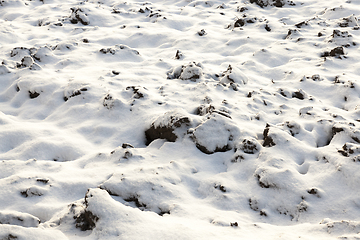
179	119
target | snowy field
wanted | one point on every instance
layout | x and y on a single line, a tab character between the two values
179	119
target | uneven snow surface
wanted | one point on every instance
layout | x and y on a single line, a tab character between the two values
179	119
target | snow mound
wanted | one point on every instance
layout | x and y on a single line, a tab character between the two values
191	71
215	134
233	75
18	218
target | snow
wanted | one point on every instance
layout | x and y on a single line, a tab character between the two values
179	119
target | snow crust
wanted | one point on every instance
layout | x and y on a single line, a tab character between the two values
179	119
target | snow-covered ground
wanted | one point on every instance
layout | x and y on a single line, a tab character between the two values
179	119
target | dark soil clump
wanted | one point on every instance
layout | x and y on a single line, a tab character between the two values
268	140
165	129
33	95
86	221
336	52
75	93
78	15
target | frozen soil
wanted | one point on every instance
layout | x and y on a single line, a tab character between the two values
179	119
